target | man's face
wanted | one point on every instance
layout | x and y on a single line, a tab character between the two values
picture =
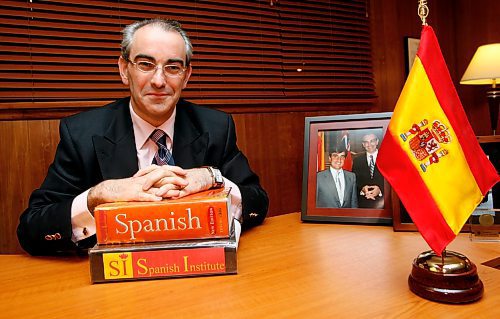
154	95
370	143
337	160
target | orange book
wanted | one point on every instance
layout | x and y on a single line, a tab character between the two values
202	215
125	262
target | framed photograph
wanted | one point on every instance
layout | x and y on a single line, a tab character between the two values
341	182
490	205
411	48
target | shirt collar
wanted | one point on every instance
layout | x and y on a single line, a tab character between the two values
142	129
336	172
374	155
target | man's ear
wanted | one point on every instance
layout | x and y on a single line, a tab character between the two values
122	65
188	72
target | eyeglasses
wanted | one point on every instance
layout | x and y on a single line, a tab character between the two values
171	70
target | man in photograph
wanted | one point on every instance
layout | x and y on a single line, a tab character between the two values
370	183
335	187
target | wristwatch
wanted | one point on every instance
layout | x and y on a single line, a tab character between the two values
217	179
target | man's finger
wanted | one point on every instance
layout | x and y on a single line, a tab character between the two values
178	181
145	170
176	169
155	177
163	191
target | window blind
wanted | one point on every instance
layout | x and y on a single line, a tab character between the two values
63	54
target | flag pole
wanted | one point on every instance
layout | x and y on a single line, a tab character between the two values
423	11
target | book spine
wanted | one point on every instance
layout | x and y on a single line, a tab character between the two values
151	223
101	226
166	263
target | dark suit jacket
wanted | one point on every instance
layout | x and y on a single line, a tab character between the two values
326	192
362	171
99	145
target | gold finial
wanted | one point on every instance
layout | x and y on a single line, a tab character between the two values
423	10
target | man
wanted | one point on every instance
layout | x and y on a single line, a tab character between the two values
105	155
335	187
369	180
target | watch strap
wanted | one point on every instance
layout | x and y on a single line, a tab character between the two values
217	179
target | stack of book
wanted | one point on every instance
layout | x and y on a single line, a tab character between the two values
191	236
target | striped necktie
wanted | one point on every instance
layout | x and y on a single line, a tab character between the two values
163	155
372	166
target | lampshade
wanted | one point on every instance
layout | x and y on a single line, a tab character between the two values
484	68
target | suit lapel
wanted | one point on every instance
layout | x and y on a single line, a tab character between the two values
330	184
365	163
347	188
190	144
115	150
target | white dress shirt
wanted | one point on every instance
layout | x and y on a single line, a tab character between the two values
374	154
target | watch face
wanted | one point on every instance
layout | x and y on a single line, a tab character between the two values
219	180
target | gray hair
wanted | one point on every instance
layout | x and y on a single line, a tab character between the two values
165	24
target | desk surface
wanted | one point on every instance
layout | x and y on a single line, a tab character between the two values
286	269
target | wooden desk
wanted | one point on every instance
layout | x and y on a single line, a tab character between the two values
287	269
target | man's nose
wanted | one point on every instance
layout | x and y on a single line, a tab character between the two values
158	79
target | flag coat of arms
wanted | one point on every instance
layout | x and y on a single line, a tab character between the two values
430	154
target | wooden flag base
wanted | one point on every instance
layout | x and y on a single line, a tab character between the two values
454	281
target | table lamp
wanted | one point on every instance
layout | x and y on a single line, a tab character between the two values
484	68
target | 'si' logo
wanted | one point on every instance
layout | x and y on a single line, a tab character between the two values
117	265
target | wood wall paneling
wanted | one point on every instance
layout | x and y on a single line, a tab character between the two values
27	149
391	22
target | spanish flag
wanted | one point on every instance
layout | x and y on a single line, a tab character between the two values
430	154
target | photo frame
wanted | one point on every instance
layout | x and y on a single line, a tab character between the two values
411	48
491	146
484	223
353	134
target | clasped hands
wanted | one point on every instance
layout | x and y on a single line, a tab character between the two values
152	183
371	191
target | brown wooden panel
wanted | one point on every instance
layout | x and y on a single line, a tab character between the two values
27	150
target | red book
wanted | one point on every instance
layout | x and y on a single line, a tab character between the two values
202	215
125	262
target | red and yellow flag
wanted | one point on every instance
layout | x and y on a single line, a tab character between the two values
430	154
